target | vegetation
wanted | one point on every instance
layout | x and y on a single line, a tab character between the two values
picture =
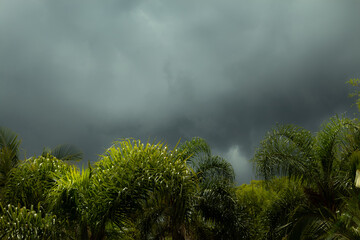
309	189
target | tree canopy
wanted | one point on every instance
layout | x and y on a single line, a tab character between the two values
308	189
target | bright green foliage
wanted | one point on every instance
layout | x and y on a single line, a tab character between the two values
31	180
135	191
68	196
257	199
68	199
256	194
355	82
130	172
130	180
21	223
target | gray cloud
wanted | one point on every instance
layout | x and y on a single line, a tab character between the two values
89	72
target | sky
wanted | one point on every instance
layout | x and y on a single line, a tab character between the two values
90	72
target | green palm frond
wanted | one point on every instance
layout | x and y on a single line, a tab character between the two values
68	197
208	167
282	214
329	145
9	146
195	148
310	227
347	224
131	173
215	168
8	139
285	150
65	152
325	163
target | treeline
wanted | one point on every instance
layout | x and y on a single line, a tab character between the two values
134	191
147	191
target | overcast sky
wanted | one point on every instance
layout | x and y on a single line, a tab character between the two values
90	72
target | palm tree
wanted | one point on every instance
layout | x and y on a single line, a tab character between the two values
9	158
215	198
324	163
69	199
29	183
120	192
9	153
208	167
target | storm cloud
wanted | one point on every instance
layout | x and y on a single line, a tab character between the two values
90	72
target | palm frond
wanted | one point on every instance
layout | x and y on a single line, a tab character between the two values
9	146
286	150
216	168
67	152
195	148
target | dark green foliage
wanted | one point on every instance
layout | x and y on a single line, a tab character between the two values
347	224
215	199
9	146
285	150
323	164
281	215
65	152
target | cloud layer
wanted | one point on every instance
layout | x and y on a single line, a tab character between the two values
89	72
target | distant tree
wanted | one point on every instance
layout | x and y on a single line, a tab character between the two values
267	206
254	199
355	82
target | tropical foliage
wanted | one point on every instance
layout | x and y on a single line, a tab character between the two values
324	165
309	189
23	223
9	158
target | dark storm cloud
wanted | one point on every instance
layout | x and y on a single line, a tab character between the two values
90	72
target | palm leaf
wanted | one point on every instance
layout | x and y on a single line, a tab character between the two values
9	145
285	150
67	152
